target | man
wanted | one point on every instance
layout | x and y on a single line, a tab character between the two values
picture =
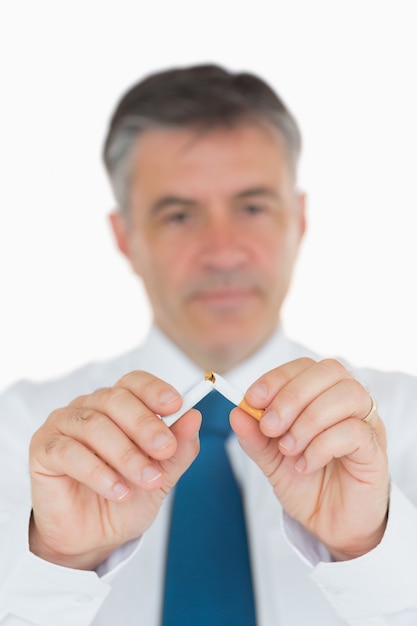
203	164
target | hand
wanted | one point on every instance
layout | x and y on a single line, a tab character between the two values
101	467
328	468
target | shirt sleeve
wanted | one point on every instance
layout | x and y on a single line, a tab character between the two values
377	589
34	591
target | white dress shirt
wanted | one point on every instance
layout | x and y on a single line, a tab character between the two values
295	582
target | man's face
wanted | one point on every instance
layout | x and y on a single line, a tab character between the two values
214	229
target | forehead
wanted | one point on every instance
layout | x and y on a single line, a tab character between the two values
243	154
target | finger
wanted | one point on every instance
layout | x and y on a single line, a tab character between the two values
299	393
162	399
261	449
252	440
132	404
108	442
361	446
261	393
347	398
67	458
55	456
87	421
247	429
155	393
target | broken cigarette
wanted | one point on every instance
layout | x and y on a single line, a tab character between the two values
198	392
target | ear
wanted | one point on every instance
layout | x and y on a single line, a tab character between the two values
118	226
302	209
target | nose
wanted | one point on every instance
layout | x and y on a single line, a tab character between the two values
221	242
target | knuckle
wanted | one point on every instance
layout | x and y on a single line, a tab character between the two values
335	367
287	372
79	400
350	391
67	449
355	393
82	415
43	445
288	403
131	377
144	424
112	397
94	473
50	444
310	418
291	369
373	442
128	455
141	384
290	395
307	361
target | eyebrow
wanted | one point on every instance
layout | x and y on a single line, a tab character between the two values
169	201
258	191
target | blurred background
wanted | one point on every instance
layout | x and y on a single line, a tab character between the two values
348	72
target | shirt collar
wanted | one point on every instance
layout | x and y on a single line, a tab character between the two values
166	360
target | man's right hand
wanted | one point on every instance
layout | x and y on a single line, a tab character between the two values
101	467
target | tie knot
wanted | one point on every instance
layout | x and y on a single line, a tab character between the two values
215	410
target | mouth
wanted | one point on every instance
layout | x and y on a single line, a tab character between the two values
225	298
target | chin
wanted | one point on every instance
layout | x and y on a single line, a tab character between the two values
223	350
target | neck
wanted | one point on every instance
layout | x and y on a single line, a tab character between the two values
221	359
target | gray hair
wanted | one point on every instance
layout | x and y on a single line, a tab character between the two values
200	97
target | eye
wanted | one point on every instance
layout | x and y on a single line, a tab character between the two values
177	217
253	208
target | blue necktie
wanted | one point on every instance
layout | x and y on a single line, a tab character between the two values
208	578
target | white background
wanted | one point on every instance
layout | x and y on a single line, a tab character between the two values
347	69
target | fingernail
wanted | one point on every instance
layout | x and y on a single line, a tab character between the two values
120	490
287	442
271	420
150	473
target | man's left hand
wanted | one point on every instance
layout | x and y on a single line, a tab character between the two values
327	466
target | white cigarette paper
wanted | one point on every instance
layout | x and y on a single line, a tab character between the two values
199	391
190	399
